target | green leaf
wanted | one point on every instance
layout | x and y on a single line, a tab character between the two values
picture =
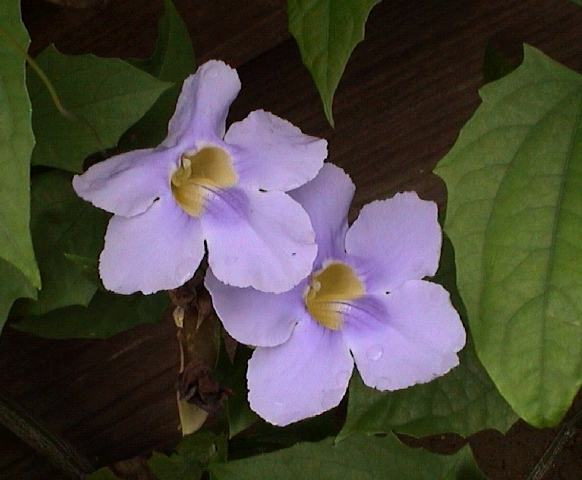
16	143
108	93
464	401
358	457
240	415
514	180
327	31
63	224
106	315
495	65
193	455
173	60
102	474
13	285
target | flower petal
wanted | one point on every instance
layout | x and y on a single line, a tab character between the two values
272	154
127	184
398	239
303	377
326	199
157	250
416	341
262	240
253	317
203	105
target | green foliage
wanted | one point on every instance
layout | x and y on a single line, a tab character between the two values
193	455
514	180
358	457
495	66
240	415
16	143
13	285
172	61
327	31
173	58
102	474
464	401
66	231
106	315
108	93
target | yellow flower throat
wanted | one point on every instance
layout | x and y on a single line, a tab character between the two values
207	169
329	290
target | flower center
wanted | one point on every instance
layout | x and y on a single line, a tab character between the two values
329	291
208	169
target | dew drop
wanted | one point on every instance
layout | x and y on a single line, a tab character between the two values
342	377
375	352
383	383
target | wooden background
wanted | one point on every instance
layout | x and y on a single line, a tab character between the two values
407	91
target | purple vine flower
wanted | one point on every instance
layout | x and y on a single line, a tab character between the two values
364	302
200	186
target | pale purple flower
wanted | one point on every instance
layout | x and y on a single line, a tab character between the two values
202	185
365	302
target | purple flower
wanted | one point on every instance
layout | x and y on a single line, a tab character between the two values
202	185
364	302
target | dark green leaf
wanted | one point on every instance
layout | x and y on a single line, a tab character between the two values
173	60
16	143
358	458
495	66
106	315
63	224
193	455
13	285
514	180
327	31
464	401
109	94
102	474
240	415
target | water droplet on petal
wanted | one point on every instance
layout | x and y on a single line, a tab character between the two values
342	377
375	352
383	383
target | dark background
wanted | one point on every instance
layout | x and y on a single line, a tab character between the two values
407	91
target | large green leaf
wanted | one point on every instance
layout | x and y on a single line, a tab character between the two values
16	143
64	227
106	315
173	58
514	180
358	457
108	93
327	31
13	285
173	61
194	453
464	401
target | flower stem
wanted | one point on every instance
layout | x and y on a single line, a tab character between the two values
51	89
566	431
34	433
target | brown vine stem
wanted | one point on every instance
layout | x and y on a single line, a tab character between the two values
51	89
34	433
565	433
